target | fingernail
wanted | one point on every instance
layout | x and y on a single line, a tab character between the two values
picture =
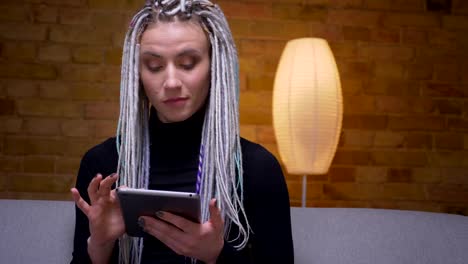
159	214
141	222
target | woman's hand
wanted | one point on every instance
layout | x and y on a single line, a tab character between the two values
200	241
106	223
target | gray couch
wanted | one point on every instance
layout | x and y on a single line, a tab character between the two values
42	232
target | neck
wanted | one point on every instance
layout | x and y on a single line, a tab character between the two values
177	133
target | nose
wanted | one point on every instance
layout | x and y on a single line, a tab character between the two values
172	79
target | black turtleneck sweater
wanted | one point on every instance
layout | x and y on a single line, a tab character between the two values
173	166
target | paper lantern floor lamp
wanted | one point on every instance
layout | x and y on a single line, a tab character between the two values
307	108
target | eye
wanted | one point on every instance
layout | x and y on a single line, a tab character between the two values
153	68
187	66
187	63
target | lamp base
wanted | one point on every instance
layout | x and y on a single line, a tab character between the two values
304	190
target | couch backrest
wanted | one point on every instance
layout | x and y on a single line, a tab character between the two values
41	232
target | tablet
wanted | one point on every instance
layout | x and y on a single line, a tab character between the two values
137	202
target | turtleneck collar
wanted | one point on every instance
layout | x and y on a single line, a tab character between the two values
174	152
184	133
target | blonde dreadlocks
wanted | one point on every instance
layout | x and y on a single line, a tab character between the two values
220	168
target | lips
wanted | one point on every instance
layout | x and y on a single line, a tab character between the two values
175	101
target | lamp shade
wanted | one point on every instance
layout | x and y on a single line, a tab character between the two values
307	106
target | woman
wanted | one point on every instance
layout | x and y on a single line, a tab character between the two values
180	58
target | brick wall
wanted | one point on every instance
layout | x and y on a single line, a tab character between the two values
404	142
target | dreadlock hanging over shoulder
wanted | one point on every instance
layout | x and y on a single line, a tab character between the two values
220	174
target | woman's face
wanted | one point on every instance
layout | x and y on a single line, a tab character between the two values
175	68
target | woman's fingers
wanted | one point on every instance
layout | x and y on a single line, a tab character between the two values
93	188
79	201
183	224
105	186
215	215
171	236
201	241
113	193
99	187
162	230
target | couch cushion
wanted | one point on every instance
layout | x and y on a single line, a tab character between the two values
370	236
36	231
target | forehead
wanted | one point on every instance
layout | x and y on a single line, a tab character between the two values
174	35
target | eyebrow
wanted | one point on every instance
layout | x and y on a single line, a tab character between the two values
184	52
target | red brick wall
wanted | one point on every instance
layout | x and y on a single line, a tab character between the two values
403	69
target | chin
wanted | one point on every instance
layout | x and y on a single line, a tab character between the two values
177	117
